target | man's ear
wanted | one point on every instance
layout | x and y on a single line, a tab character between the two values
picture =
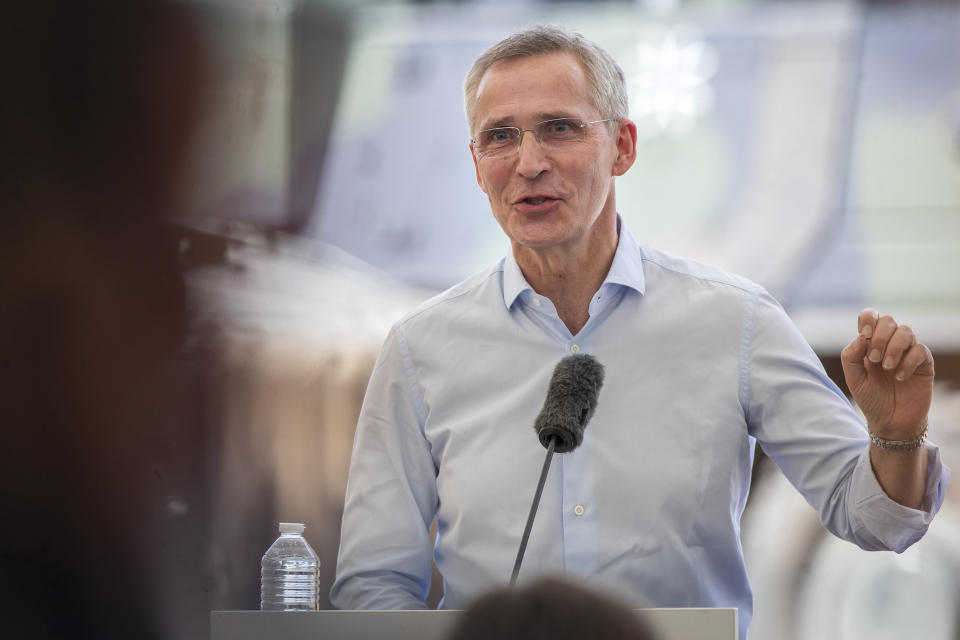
626	146
476	167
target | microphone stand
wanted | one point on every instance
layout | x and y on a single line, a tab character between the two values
533	511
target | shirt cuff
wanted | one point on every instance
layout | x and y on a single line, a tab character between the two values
890	524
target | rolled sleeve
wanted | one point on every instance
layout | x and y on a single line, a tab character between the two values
882	523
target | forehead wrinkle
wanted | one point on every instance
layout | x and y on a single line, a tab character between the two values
537	118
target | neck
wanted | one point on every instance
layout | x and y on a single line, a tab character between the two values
570	275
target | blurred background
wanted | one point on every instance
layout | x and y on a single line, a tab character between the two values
213	212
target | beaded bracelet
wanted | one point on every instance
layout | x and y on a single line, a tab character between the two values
899	445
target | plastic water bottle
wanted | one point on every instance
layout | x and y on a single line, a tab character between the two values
288	572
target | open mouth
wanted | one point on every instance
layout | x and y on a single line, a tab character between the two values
535	200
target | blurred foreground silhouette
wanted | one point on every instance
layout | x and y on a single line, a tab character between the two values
550	609
103	442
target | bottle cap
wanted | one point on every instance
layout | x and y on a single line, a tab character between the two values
291	527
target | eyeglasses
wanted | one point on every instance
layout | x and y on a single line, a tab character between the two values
554	134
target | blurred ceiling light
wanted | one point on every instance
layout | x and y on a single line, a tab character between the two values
671	87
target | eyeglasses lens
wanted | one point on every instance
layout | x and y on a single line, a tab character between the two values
556	133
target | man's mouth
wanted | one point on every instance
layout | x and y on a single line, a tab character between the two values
535	200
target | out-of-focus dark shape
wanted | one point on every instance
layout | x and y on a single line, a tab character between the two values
550	609
103	445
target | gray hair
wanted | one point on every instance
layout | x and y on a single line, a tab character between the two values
604	74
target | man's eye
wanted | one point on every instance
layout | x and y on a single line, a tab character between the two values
560	127
497	136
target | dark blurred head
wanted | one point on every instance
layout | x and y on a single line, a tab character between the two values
550	609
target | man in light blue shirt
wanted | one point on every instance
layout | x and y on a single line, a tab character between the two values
700	366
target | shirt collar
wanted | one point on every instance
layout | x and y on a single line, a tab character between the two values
626	269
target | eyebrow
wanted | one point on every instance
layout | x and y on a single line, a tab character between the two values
510	121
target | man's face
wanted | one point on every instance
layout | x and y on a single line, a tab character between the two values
544	198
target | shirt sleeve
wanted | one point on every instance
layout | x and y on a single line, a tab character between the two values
809	429
875	510
391	497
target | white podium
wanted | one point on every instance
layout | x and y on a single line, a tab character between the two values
673	624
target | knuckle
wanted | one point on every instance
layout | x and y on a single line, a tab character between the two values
905	338
907	331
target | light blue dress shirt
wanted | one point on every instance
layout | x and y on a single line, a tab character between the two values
700	366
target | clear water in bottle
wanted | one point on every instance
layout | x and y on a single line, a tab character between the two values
288	572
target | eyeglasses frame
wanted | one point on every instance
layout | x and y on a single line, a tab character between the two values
583	125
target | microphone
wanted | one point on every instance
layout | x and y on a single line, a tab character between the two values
570	402
569	405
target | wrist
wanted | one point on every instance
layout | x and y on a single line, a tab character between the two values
900	441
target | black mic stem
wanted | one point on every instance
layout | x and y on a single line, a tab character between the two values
533	511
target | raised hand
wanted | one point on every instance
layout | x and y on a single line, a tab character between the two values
890	375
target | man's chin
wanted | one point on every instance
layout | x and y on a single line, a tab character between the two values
538	241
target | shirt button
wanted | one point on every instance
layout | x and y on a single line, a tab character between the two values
574	348
536	302
578	510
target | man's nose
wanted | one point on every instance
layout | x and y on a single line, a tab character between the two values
531	160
